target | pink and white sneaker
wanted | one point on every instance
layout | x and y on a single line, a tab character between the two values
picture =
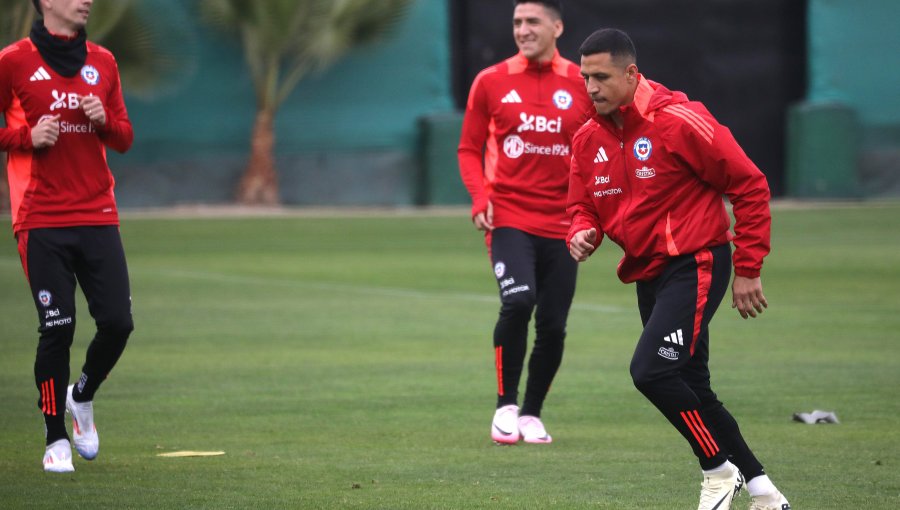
532	430
504	429
84	432
58	457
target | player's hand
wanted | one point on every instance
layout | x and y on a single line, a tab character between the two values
582	244
93	110
747	296
46	132
485	220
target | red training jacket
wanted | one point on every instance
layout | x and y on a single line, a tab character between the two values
68	184
525	113
655	187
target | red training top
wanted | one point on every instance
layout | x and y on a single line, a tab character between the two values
526	113
68	184
655	187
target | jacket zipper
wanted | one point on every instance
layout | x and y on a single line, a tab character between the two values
630	192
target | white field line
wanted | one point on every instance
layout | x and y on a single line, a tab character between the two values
365	290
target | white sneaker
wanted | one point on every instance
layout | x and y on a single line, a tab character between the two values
58	457
532	430
504	429
719	489
84	433
775	501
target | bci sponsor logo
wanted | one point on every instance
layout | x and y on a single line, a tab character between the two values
539	124
65	100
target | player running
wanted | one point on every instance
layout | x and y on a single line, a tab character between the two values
649	171
63	106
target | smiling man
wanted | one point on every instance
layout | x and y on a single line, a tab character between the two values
514	154
62	102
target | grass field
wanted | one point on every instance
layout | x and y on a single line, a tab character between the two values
345	363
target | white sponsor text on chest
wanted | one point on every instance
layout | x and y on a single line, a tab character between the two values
514	147
604	179
539	124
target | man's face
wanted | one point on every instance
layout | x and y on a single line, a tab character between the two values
536	30
67	14
609	84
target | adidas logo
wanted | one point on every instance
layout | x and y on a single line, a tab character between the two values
512	97
601	156
675	338
40	75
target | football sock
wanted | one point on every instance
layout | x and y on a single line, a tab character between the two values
761	485
717	469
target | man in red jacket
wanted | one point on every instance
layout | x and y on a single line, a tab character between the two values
649	171
63	106
514	154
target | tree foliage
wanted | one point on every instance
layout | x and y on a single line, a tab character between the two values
283	41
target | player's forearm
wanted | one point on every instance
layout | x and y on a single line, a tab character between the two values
13	139
118	135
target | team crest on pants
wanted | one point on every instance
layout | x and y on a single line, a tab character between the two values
499	269
45	298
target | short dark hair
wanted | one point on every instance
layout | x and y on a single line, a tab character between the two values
555	6
609	40
37	6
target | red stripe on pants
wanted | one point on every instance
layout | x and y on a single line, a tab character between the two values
700	432
44	397
53	397
704	260
498	363
48	397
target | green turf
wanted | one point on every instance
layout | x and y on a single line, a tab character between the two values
345	363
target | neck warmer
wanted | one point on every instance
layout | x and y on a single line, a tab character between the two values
65	56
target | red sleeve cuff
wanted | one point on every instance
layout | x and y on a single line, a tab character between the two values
26	142
746	272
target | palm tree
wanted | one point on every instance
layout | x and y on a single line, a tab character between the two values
154	53
283	41
150	50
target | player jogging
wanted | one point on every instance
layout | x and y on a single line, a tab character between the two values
62	103
649	171
514	154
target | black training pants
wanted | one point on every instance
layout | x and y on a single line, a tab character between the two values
534	274
671	361
55	259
